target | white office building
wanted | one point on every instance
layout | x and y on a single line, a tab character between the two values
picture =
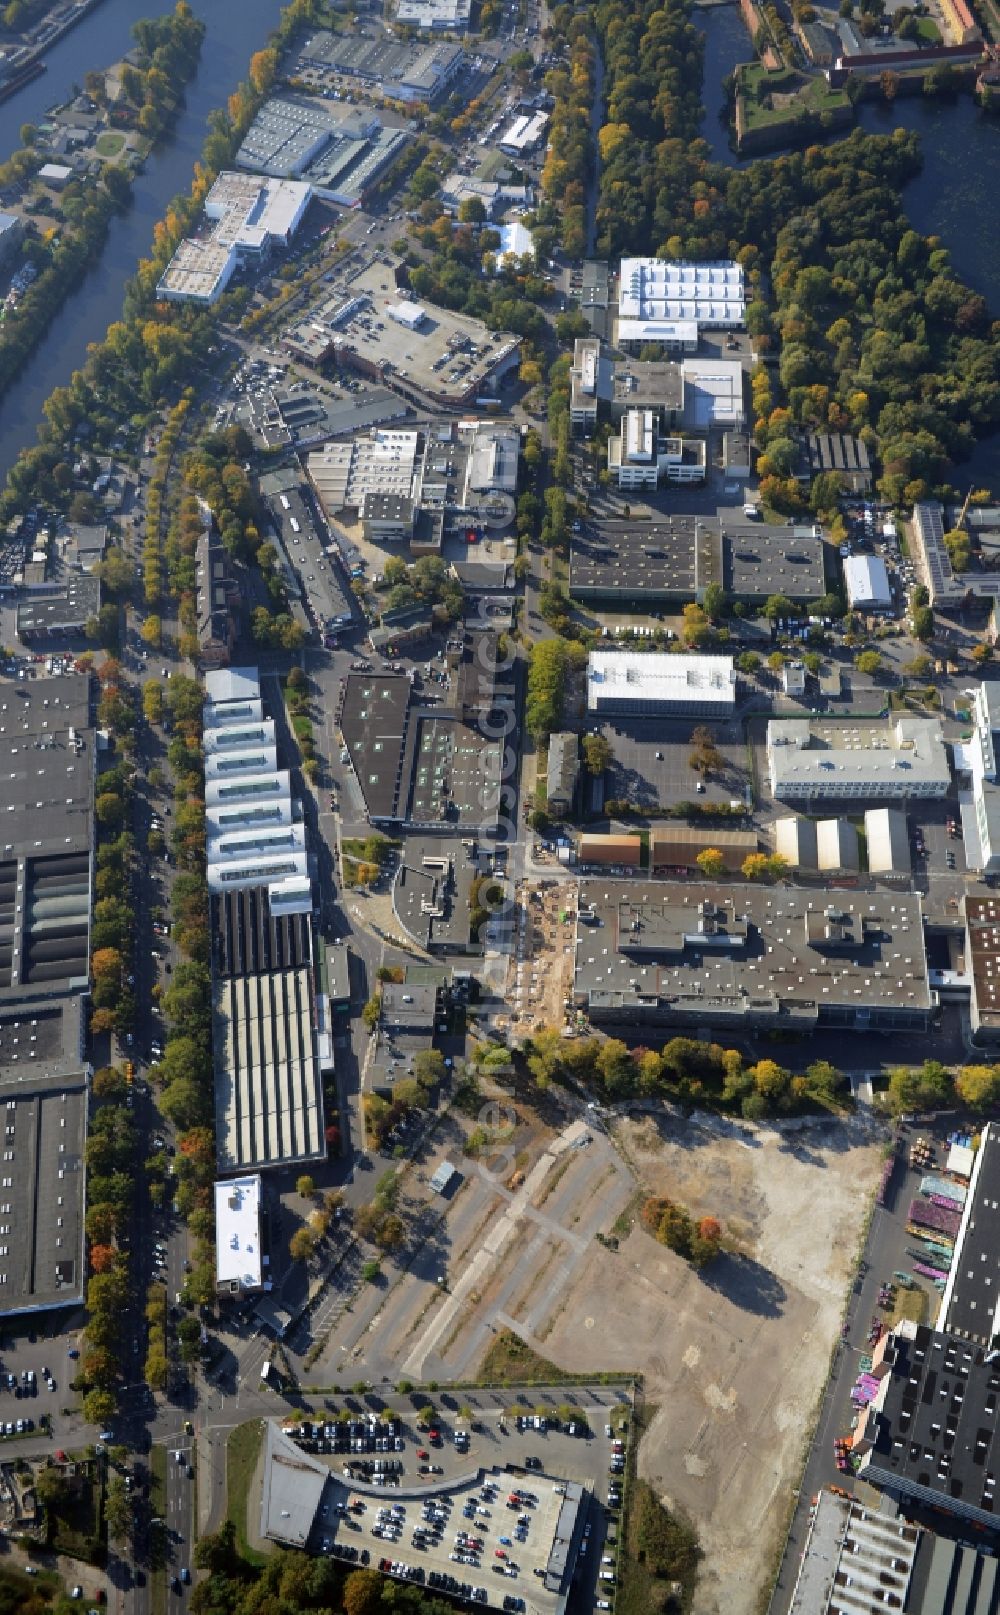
813	760
251	217
979	788
640	458
239	1260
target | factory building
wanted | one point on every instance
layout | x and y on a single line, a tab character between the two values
670	302
630	683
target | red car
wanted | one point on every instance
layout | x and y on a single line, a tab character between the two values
422	1452
499	1553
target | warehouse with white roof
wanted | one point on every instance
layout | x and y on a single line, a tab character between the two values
867	583
669	301
632	683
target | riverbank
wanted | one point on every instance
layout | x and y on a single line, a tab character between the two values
63	212
28	60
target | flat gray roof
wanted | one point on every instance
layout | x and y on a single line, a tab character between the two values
293	1485
744	954
373	721
64	611
41	1184
432	902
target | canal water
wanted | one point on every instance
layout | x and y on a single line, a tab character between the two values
953	196
234	30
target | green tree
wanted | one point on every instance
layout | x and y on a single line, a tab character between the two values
597	754
302	1245
978	1086
99	1407
869	662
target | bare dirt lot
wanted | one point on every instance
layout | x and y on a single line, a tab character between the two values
542	1239
734	1358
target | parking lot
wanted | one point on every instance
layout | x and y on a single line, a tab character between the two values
651	766
475	1509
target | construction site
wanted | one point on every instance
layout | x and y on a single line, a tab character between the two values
540	967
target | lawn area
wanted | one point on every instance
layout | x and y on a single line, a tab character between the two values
242	1451
773	98
23	1595
110	143
510	1362
928	31
911	1304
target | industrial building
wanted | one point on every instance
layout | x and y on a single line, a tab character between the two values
971	1301
239	1256
613	851
713	394
750	958
516	244
828	846
855	1561
812	760
867	583
266	1049
847	456
57	611
51	753
929	1438
562	774
250	217
397	69
524	133
637	684
641	457
670	561
676	847
747	957
385	461
340	150
670	302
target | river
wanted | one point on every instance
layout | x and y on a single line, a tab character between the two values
953	196
234	29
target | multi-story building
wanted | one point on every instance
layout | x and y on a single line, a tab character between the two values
976	765
821	761
640	457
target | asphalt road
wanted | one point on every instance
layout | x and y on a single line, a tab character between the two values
885	1252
